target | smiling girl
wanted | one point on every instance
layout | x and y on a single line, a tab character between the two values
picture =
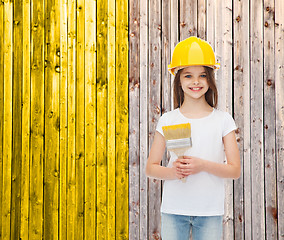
197	205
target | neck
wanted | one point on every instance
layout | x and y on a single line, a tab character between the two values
195	105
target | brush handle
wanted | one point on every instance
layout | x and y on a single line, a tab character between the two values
180	153
183	180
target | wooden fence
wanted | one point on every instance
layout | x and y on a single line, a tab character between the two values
64	119
82	86
248	40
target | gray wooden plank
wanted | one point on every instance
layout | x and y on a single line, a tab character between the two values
134	127
269	122
241	109
223	52
188	19
210	22
279	100
166	58
154	110
256	102
201	19
174	35
144	27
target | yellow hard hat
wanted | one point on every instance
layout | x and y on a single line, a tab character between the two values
192	51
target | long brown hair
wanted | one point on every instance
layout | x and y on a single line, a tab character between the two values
211	96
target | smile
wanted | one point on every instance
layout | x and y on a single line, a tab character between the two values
195	88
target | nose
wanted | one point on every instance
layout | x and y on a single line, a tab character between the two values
195	82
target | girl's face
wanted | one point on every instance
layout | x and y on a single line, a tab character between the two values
193	80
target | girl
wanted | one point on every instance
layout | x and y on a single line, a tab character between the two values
198	204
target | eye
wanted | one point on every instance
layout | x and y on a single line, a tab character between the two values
188	76
203	75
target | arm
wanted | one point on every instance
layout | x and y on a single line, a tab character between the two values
193	165
233	167
153	167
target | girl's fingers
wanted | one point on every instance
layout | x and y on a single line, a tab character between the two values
184	172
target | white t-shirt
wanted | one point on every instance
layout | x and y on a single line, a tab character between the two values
202	194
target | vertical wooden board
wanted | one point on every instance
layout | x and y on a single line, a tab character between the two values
71	121
1	106
241	110
26	101
37	121
102	119
80	119
7	121
174	36
227	53
269	123
188	19
63	152
17	101
122	120
219	46
279	100
90	119
52	121
201	19
166	56
223	50
242	187
154	110
257	158
165	60
210	22
143	124
134	119
111	148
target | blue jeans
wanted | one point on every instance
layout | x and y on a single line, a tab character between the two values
178	227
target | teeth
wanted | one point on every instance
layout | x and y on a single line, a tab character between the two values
195	89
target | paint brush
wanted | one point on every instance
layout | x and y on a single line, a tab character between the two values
178	139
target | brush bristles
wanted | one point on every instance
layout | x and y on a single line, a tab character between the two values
177	131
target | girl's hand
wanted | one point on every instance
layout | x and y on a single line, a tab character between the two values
189	165
178	172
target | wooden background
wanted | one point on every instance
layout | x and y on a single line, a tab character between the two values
82	86
247	37
64	119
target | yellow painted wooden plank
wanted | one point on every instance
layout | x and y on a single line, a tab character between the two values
63	122
37	121
90	120
25	173
80	120
17	110
51	96
102	119
7	120
71	184
1	104
111	121
122	119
